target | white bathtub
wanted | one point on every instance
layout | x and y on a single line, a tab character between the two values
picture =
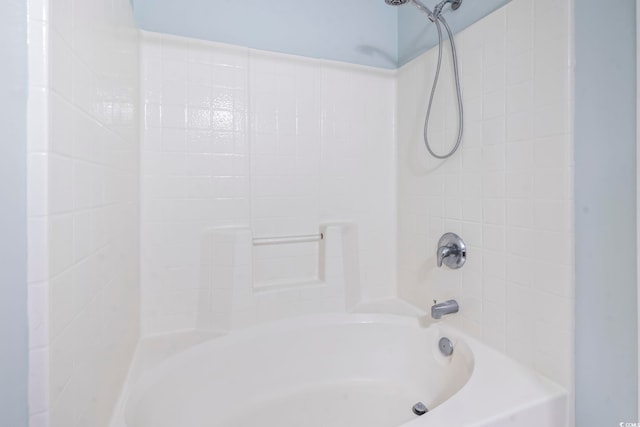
342	370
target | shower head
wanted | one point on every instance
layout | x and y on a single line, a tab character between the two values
396	2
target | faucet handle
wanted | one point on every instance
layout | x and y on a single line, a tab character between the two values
451	251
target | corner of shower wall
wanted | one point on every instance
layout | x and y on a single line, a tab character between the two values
233	295
37	213
82	208
507	192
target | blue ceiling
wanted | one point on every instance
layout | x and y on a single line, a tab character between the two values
366	32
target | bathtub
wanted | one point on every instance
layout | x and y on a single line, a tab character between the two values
340	370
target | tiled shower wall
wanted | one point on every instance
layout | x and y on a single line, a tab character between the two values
279	144
507	192
83	208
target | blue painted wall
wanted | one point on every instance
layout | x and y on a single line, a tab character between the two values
416	34
357	31
605	192
367	32
13	227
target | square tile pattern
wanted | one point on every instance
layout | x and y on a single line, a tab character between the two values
155	160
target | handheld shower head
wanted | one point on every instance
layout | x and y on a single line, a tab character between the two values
455	4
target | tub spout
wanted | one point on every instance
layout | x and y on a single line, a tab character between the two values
447	307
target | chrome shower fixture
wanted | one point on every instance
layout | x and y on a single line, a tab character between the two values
437	10
436	17
455	4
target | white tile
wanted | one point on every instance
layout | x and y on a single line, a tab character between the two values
60	244
38	380
38	313
494	237
152	115
493	159
495	291
519	184
38	55
519	156
494	78
61	184
551	120
89	158
87	190
493	266
520	213
493	185
494	211
174	116
553	184
520	98
473	233
62	299
521	241
552	215
494	104
38	119
494	47
519	127
493	131
555	27
38	250
554	278
494	325
520	68
472	283
174	139
472	159
37	181
520	27
472	309
559	253
555	310
552	152
62	354
551	82
61	18
60	62
520	270
472	210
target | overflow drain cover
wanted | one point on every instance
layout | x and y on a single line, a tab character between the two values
420	409
446	346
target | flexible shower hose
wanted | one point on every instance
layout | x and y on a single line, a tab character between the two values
439	18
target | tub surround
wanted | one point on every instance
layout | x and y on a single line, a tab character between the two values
416	35
83	179
238	144
507	192
274	144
